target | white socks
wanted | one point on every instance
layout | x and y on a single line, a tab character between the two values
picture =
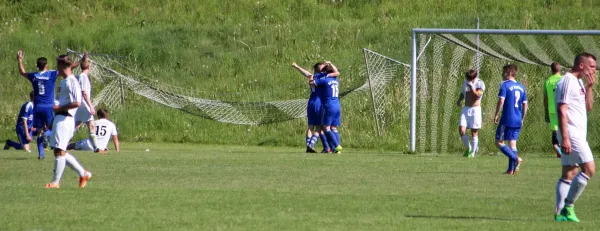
475	143
94	140
59	168
465	140
74	164
562	188
577	187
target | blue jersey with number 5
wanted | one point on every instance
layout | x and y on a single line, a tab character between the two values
330	91
514	96
43	87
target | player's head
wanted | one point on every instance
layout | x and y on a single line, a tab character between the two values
471	75
509	71
63	63
585	64
555	67
327	68
31	95
42	63
85	64
102	114
317	68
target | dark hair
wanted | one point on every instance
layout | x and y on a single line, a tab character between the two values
316	68
102	114
555	67
41	63
63	61
328	69
580	57
511	69
471	74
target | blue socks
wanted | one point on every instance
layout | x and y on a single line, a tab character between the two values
308	141
331	138
324	141
337	135
40	146
313	140
512	157
13	144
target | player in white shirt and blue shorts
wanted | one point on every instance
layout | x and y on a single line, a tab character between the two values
470	116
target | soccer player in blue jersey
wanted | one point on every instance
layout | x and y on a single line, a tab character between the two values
331	105
24	127
512	100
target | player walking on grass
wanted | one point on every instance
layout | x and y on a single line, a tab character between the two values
549	108
470	117
69	98
331	106
105	130
512	100
85	112
24	127
574	99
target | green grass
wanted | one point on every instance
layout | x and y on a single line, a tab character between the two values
193	187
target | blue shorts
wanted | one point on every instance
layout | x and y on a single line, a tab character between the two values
507	133
22	136
332	116
42	117
314	112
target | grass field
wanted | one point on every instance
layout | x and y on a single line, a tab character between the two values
192	187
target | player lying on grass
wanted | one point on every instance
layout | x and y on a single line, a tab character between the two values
470	116
24	127
314	109
105	130
549	108
331	105
85	112
63	128
574	99
512	100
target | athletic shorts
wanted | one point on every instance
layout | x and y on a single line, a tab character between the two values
507	133
62	132
553	121
22	136
470	117
42	117
580	151
314	112
332	116
84	145
83	114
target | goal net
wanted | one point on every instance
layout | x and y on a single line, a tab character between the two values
442	58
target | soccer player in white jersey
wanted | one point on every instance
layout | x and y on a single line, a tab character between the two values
105	130
69	98
574	99
470	117
85	112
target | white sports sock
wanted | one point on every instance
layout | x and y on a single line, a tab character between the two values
577	187
74	164
465	140
562	188
59	168
93	140
475	143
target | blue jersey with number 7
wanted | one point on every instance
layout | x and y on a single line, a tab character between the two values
43	87
514	97
330	93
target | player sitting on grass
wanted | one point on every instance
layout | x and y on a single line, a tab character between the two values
470	117
512	99
105	130
549	108
24	127
85	112
331	105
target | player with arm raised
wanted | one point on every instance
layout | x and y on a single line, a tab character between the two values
574	99
105	130
331	105
69	98
24	127
549	108
470	117
85	112
512	100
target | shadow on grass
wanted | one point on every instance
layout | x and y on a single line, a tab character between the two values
16	158
468	218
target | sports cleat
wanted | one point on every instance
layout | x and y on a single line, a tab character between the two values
569	213
338	148
100	151
6	146
509	173
52	185
326	151
467	153
310	149
337	152
83	180
559	217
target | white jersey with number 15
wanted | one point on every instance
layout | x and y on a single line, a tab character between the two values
104	131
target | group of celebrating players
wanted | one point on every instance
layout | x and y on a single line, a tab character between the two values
56	119
567	99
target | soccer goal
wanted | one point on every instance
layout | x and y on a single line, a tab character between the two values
440	57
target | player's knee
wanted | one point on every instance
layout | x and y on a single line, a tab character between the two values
499	143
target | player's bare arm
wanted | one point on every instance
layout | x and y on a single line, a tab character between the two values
26	129
311	81
86	98
499	106
20	61
525	109
335	73
460	99
115	139
304	72
589	91
562	125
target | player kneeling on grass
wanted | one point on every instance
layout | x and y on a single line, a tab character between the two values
24	127
331	106
105	130
85	112
470	117
512	99
63	128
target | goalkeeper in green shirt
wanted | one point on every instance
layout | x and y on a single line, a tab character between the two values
550	106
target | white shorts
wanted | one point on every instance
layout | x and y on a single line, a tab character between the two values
580	153
62	131
83	114
470	117
84	145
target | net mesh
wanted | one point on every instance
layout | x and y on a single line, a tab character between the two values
443	60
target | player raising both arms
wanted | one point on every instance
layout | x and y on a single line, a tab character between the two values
24	127
470	117
331	105
85	112
549	108
574	99
105	130
69	98
512	99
